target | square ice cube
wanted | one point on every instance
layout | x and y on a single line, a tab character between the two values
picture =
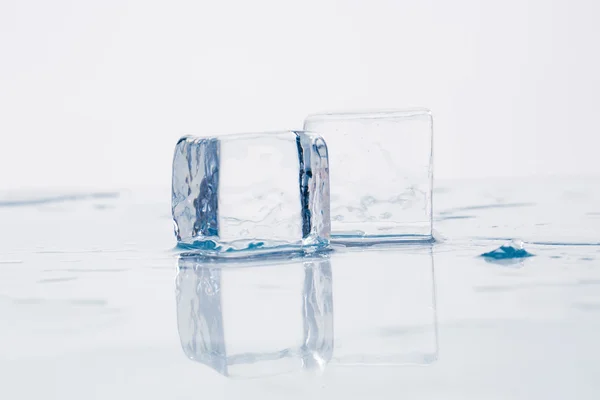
255	318
251	191
382	174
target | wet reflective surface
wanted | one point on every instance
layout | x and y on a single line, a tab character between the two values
95	303
256	318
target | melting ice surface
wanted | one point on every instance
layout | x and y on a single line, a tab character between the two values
251	192
512	250
88	305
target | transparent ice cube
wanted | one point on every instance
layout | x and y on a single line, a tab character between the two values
255	318
251	191
382	174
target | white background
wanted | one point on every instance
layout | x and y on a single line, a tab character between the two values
95	93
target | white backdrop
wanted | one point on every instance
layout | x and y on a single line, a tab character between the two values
95	93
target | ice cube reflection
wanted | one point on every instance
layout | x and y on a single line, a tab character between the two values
264	317
385	306
256	318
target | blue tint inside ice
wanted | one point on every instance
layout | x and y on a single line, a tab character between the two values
251	192
512	250
248	249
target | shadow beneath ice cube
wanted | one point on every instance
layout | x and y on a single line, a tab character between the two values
256	318
263	317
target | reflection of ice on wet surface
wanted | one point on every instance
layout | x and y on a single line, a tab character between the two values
384	312
284	308
88	306
308	312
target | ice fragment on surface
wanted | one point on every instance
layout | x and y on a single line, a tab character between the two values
251	191
512	250
250	319
382	166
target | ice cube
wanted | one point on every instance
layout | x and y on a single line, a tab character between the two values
256	318
382	174
251	191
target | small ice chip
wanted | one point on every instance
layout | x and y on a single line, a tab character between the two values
511	250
